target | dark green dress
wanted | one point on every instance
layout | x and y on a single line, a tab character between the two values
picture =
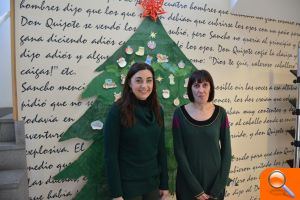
135	157
203	153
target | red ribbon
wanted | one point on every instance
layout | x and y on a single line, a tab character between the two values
152	8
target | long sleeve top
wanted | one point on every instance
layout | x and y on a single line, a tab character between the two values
203	152
135	157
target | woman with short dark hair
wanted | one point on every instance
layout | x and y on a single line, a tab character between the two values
201	142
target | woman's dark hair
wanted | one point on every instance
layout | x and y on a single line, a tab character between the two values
127	99
200	76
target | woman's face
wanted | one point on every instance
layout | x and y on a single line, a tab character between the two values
141	84
201	92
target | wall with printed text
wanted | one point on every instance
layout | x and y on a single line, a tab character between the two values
59	44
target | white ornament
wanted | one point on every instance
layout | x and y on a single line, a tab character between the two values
185	96
171	77
176	102
186	81
181	64
123	77
166	93
117	96
122	62
97	125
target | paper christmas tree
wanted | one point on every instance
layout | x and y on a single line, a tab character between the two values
151	44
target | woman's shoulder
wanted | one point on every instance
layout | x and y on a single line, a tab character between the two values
221	109
179	109
115	108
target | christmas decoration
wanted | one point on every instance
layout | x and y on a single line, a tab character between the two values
97	125
152	8
152	34
151	44
141	51
129	50
181	64
176	101
122	62
166	93
172	68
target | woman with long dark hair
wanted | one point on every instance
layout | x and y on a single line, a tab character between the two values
134	142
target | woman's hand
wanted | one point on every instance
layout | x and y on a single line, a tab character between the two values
164	194
118	198
203	197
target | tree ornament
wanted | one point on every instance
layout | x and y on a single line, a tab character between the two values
123	76
97	125
151	44
161	58
141	51
176	101
181	64
153	34
117	96
159	78
186	81
129	50
166	93
152	8
148	60
122	62
109	84
185	96
171	77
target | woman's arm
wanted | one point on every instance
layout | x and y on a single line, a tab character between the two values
111	131
162	158
181	158
222	177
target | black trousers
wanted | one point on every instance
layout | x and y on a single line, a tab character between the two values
154	195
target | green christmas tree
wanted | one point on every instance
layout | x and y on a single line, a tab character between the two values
151	44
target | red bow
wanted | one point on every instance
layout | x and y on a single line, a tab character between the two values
152	8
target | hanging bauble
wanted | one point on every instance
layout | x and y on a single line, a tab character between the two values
166	93
129	50
122	62
176	102
151	45
181	64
